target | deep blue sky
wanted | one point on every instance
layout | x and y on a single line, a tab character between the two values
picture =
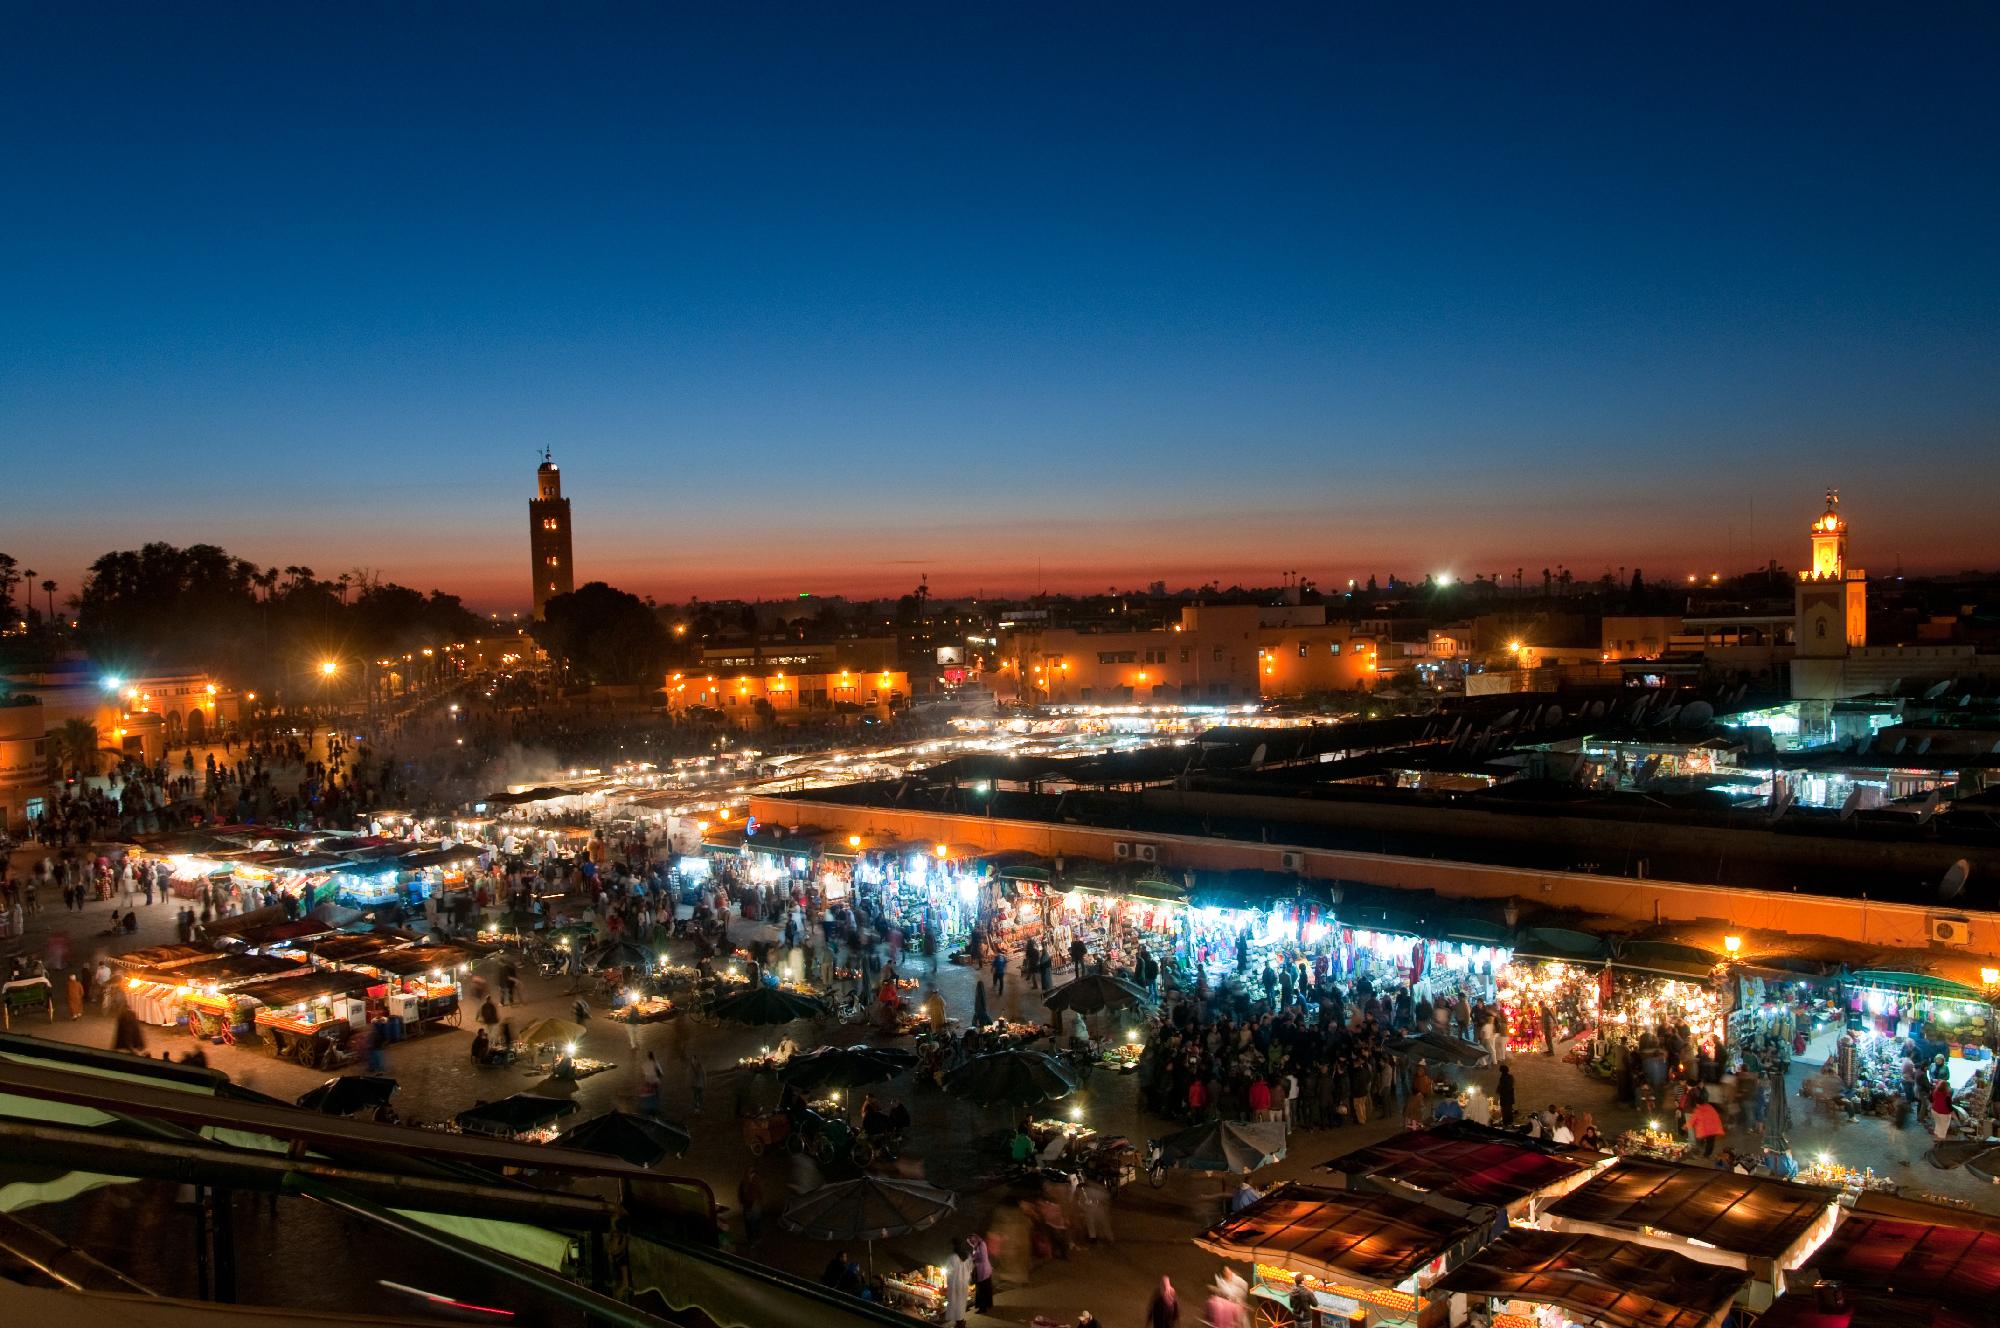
824	295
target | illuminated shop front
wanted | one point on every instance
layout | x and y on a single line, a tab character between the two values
1885	1010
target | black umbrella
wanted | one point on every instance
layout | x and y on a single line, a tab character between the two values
844	1067
767	1005
640	1140
618	954
514	1115
1225	1146
868	1209
1019	1078
1098	992
349	1094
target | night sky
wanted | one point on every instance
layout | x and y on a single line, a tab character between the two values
823	296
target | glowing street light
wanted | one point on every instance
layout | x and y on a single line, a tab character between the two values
329	667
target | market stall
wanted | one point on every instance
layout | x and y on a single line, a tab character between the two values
311	1017
1915	1251
1367	1258
415	988
163	997
1552	1280
1766	1227
1467	1165
1890	1014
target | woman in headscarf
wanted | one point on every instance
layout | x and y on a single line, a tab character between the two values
1164	1310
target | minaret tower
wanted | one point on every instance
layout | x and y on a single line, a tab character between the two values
1832	598
548	535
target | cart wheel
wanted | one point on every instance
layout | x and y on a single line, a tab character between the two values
1157	1176
795	1143
861	1153
756	1148
823	1150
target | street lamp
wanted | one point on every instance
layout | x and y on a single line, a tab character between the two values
329	667
1732	943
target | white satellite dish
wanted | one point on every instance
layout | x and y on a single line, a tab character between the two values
1953	883
1851	805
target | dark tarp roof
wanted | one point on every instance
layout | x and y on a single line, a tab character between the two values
1612	1282
228	968
1863	1308
1955	1265
1462	1161
408	963
1666	957
164	956
1575	947
305	987
1374	1238
441	857
273	933
1747	1215
348	945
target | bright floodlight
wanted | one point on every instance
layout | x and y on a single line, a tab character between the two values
112	682
329	667
1444	578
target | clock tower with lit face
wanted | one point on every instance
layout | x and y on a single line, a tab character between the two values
548	536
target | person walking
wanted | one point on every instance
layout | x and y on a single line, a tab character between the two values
1503	1093
1706	1123
999	972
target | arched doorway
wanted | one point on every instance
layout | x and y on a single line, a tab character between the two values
173	728
197	727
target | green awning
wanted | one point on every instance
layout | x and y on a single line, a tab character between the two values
1921	983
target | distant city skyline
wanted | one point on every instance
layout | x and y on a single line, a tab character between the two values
822	297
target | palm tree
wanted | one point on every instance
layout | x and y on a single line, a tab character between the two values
73	748
49	589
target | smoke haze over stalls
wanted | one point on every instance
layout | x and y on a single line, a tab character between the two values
824	298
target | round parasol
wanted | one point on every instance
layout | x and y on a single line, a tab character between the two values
767	1005
844	1067
640	1140
1224	1146
557	1031
1096	993
1019	1078
349	1094
867	1209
